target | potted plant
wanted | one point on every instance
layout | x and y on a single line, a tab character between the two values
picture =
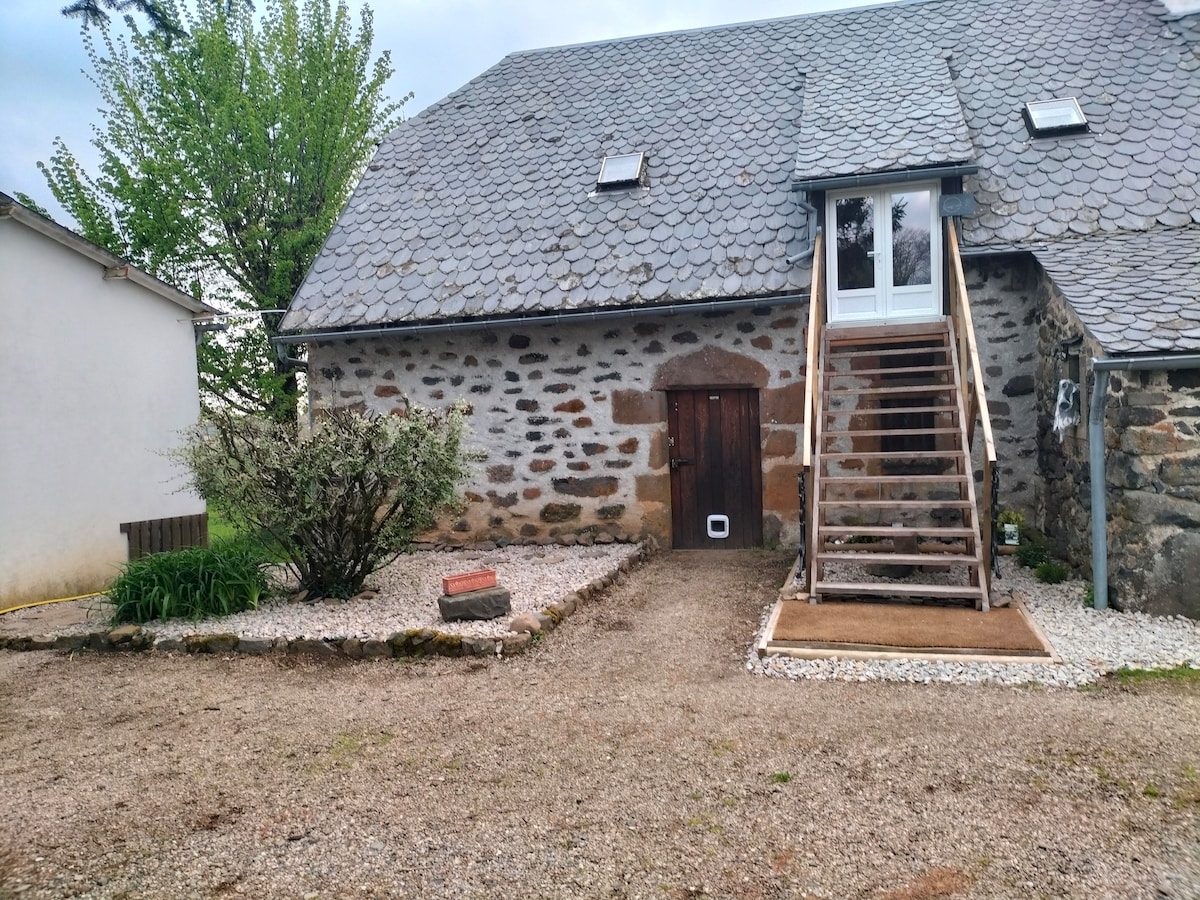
1009	523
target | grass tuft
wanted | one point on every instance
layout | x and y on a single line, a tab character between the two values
226	578
1180	674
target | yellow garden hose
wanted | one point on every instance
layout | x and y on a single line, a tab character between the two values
44	602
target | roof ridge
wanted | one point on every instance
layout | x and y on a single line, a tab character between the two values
728	26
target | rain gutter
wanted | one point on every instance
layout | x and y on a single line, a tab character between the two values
1097	473
592	315
876	178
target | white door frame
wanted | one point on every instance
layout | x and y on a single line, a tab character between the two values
881	300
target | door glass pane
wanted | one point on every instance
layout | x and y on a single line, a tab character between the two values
911	238
855	243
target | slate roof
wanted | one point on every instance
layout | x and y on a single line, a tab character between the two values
880	114
1136	292
483	205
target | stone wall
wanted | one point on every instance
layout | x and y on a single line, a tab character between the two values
573	414
1152	450
1003	291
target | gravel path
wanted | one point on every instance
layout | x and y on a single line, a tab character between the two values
627	755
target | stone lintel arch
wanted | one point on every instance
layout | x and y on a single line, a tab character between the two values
710	366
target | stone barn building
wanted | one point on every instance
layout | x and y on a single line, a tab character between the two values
804	280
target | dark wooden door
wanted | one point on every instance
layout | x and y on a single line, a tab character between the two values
715	466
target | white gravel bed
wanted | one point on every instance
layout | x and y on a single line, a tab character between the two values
408	591
1091	643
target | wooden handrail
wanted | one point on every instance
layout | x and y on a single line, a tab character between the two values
812	402
965	332
816	316
968	354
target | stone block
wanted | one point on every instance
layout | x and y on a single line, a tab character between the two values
780	488
595	486
1018	386
500	474
639	407
513	644
707	366
210	643
255	646
779	442
525	622
374	648
783	405
123	634
560	512
1180	471
658	456
487	603
1145	508
654	488
319	649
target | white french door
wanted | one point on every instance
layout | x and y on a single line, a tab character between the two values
884	254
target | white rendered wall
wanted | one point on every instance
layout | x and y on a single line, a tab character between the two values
97	378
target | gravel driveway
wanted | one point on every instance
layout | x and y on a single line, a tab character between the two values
628	755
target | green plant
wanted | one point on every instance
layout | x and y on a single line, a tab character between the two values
781	777
1011	517
1032	553
1051	571
1089	596
226	578
344	501
1179	674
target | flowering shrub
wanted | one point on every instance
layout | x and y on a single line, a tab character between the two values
340	503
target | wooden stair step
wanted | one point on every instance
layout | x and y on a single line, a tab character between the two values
926	531
954	478
854	549
891	410
905	370
880	432
948	455
897	504
899	559
890	333
886	589
899	389
891	351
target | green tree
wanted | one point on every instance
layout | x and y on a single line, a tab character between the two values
94	12
226	152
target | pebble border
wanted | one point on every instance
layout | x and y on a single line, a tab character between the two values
410	643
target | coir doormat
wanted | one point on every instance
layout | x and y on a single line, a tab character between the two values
927	629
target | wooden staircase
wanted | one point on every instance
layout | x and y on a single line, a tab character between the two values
894	506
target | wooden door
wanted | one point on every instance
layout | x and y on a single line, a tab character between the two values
715	467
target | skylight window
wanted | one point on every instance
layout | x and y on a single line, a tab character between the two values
621	171
1049	117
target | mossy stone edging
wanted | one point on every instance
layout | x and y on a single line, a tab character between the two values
412	642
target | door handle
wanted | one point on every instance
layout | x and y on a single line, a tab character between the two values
677	461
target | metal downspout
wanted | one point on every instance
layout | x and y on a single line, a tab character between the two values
1099	486
1097	473
810	242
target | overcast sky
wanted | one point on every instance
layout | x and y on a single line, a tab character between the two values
436	46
